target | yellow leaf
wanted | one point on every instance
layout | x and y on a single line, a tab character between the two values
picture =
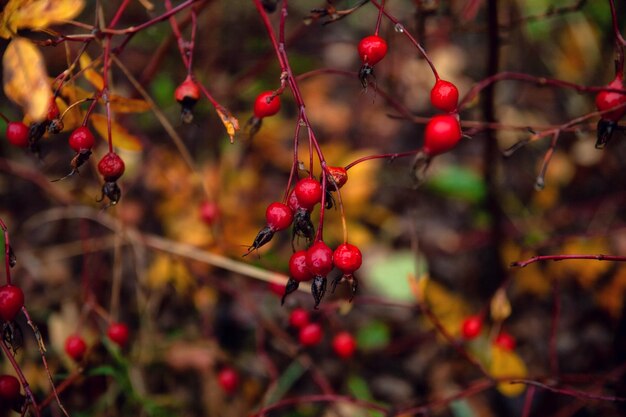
449	308
120	136
25	78
586	271
507	364
230	122
36	14
500	306
166	270
121	104
91	75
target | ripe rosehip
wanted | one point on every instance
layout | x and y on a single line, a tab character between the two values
75	347
372	49
319	259
299	318
11	301
9	389
276	288
111	167
118	333
471	327
339	177
293	202
265	105
17	134
606	100
505	341
442	133
81	139
444	96
188	92
228	379
347	258
298	269
278	216
53	110
309	193
209	212
344	345
311	334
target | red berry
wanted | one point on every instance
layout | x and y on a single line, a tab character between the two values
118	333
228	379
471	327
276	288
111	167
444	96
9	389
309	193
263	107
11	301
278	216
81	139
53	110
339	177
299	318
311	334
606	100
209	212
293	202
347	258
344	345
75	347
188	91
17	134
372	49
443	132
298	269
505	341
319	259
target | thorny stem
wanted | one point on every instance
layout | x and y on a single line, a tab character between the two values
7	251
522	264
620	43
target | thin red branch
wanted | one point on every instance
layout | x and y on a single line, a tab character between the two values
522	264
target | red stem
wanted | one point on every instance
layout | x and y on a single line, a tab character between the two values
7	263
620	43
22	378
522	264
380	17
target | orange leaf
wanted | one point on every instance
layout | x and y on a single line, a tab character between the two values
121	104
25	78
36	14
120	136
91	75
230	122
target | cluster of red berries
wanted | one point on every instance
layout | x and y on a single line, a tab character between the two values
311	334
187	94
472	327
76	347
266	104
317	261
22	136
605	101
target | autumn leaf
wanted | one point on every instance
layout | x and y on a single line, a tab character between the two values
25	78
91	75
121	104
500	306
36	14
507	364
166	270
230	122
121	137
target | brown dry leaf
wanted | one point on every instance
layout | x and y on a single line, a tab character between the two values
230	122
120	136
507	364
121	104
36	14
25	78
91	75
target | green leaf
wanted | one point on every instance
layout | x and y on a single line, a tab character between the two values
388	274
104	370
459	183
374	335
461	408
286	381
358	388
